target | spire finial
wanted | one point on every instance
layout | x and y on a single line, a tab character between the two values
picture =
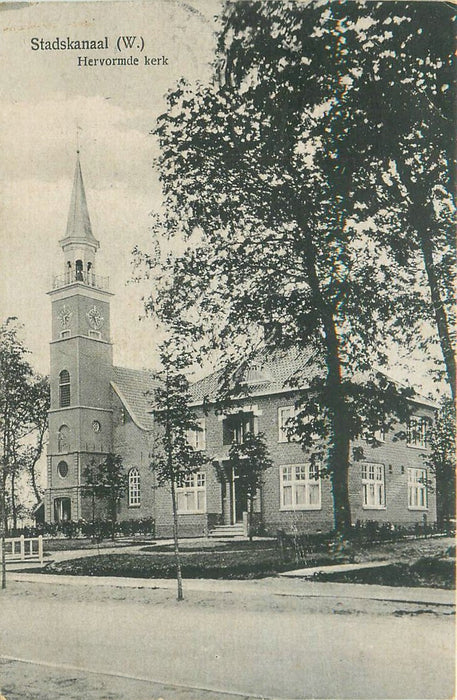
78	130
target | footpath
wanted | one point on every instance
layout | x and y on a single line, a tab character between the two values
279	586
295	583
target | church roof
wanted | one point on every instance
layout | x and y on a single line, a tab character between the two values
267	373
78	223
132	387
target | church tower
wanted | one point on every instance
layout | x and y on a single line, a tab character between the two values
80	416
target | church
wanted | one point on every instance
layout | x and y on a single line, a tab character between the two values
98	408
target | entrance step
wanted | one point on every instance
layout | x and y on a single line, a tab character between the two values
228	531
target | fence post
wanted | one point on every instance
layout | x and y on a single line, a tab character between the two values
22	541
40	548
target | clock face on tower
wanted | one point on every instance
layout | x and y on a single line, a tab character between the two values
94	318
64	316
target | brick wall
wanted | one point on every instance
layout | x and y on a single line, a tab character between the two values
393	453
135	446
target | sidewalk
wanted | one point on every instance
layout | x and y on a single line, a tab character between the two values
269	586
309	571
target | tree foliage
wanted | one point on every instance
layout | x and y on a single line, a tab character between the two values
107	481
24	398
277	229
441	459
393	117
249	460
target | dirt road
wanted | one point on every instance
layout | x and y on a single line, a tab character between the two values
267	646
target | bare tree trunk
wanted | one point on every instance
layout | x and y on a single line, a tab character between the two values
13	498
176	541
423	221
340	443
113	519
3	525
439	311
3	518
34	484
250	517
38	452
338	460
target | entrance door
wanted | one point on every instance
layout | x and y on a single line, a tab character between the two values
241	502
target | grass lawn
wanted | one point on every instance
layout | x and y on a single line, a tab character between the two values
234	560
426	562
430	572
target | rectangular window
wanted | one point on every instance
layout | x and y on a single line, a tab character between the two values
417	431
300	487
64	395
285	416
417	489
373	485
191	494
235	426
197	438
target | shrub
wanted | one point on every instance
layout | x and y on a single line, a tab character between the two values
99	529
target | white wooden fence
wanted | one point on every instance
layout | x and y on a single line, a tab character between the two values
24	548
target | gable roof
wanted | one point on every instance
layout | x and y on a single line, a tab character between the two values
132	387
268	373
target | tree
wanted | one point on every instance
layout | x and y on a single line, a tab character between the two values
108	482
441	460
17	410
91	479
390	87
271	244
28	440
249	460
175	458
40	406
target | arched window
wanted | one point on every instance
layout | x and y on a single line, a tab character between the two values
64	388
79	270
134	487
62	510
63	438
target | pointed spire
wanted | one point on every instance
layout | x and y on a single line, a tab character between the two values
78	224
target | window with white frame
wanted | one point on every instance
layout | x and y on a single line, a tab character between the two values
134	488
417	488
192	493
300	487
285	416
373	485
197	438
417	432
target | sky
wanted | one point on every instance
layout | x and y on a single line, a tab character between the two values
45	95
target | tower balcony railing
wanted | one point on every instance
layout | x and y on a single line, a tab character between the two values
88	278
